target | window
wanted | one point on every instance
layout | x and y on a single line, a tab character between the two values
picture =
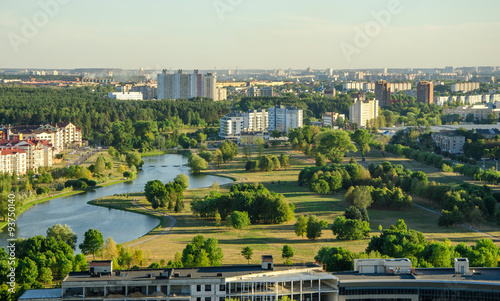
198	288
222	287
208	298
198	299
208	288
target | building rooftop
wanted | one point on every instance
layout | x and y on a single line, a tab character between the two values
425	274
205	272
42	294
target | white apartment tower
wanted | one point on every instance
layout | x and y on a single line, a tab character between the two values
285	118
256	120
231	125
363	111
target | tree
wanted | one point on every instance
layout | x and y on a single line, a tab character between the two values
219	158
350	229
99	165
110	249
247	253
284	161
301	226
362	138
134	159
336	259
182	180
320	160
314	226
260	146
229	150
155	203
155	189
92	242
238	220
287	252
201	252
63	233
476	216
360	197
334	144
197	164
26	271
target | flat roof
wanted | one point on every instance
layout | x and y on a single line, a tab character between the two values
42	294
491	275
182	273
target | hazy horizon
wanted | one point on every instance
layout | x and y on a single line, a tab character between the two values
239	34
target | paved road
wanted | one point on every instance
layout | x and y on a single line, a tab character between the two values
172	224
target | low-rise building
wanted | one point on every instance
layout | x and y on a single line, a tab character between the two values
449	141
126	95
479	112
330	118
265	282
231	125
13	160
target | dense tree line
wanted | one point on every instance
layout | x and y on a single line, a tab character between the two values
400	242
40	261
261	205
96	114
268	163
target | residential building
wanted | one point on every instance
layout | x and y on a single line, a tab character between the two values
285	118
71	134
449	141
363	111
330	118
465	87
231	125
54	137
253	91
185	86
425	92
479	112
256	120
126	95
220	94
13	160
406	86
383	92
267	91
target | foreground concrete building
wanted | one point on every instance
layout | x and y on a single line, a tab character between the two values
372	279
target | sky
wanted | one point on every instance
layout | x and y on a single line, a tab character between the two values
248	34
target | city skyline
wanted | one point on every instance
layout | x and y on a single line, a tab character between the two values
224	34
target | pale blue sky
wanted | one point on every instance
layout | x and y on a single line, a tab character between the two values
249	34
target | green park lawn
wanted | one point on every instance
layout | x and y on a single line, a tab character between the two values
269	239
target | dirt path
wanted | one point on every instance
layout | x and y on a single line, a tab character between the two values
165	216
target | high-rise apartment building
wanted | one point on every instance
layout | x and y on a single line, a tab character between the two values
425	92
285	118
363	111
231	125
383	92
255	120
185	86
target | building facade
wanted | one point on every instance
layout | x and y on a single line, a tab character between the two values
449	141
285	118
383	92
479	112
464	87
256	120
330	118
231	125
186	86
13	160
126	95
425	92
363	111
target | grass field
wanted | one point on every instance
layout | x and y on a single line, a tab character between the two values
269	239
